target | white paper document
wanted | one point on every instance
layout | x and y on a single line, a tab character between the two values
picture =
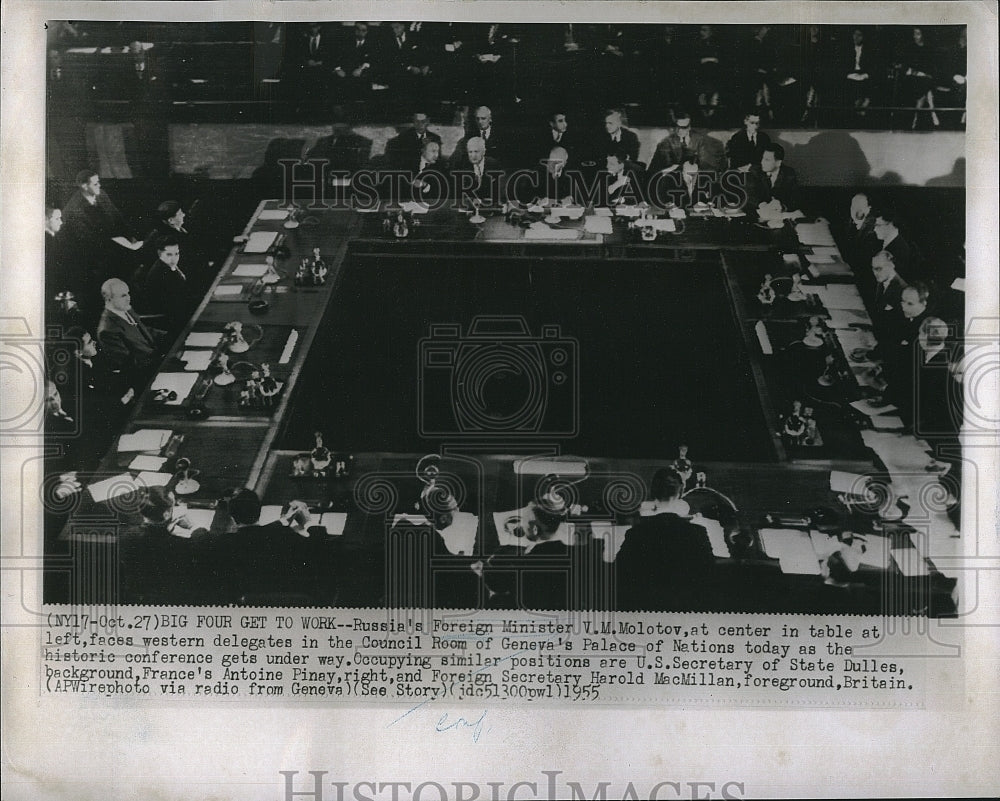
273	214
144	462
793	550
334	523
260	241
180	383
250	271
206	340
196	360
145	439
228	290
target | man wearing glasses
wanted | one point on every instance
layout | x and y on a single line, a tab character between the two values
682	142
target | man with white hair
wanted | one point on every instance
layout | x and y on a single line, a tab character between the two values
128	343
482	177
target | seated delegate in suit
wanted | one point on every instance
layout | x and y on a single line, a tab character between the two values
773	185
858	73
129	344
481	179
746	147
686	188
620	183
497	144
681	142
553	184
536	574
615	138
405	66
312	54
164	288
427	179
665	561
283	556
343	151
357	63
403	150
556	134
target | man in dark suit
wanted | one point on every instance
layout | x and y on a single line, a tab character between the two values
165	288
886	228
60	276
901	348
279	557
103	392
498	147
772	180
357	64
620	183
405	66
616	138
97	230
429	180
556	134
889	286
130	346
681	142
686	188
746	147
313	53
343	150
859	68
404	150
665	561
552	184
482	177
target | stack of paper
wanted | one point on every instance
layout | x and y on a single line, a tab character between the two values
793	550
840	296
815	234
598	225
145	439
144	462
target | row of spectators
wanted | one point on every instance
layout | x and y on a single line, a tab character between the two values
788	70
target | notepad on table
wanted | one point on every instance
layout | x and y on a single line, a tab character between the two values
112	487
206	340
887	422
196	360
145	439
815	234
179	383
144	462
147	478
250	271
273	214
260	241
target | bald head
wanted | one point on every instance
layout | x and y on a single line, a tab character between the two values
558	157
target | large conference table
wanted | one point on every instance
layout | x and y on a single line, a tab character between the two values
238	445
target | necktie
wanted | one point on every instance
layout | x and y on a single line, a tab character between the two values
486	134
557	136
130	318
616	137
180	273
314	45
399	42
753	141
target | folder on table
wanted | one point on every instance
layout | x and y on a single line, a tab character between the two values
260	241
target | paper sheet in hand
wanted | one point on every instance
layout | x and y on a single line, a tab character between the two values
260	241
851	483
910	562
334	523
250	271
815	234
460	537
207	340
612	535
112	487
181	383
198	518
143	462
145	439
505	520
598	225
273	214
716	535
268	514
196	360
793	550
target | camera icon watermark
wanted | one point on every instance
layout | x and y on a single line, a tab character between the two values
23	372
498	380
